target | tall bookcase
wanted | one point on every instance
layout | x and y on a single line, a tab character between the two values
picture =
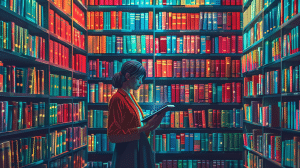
75	156
183	155
273	53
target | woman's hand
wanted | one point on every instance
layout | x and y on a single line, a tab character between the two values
153	123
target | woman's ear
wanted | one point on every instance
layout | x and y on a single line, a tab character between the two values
127	76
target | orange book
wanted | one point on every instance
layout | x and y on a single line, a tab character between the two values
208	62
180	119
191	118
150	20
174	21
169	68
183	23
103	49
227	67
146	93
176	119
159	68
96	24
105	93
113	15
101	20
120	20
178	25
93	142
100	92
164	67
92	20
186	93
196	95
203	119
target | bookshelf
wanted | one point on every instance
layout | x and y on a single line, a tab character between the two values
105	156
74	157
265	59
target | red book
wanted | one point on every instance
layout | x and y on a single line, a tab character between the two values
232	2
228	49
208	67
51	51
197	16
272	138
218	119
201	93
209	92
177	97
234	19
116	2
218	68
174	21
184	43
51	20
214	119
233	68
159	68
208	45
238	20
227	2
188	21
188	44
239	2
169	68
169	15
113	18
197	49
238	92
223	93
240	44
227	67
184	21
150	20
203	119
173	89
220	44
156	45
228	92
238	68
192	21
233	86
192	44
233	44
178	19
222	68
151	44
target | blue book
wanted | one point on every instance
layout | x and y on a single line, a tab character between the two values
214	93
104	142
124	2
169	94
207	2
203	44
167	118
219	94
214	141
98	142
146	25
172	141
168	2
205	17
174	44
187	2
157	93
156	23
215	20
168	142
132	20
142	21
108	19
132	2
237	118
187	142
220	142
160	21
96	91
216	45
191	142
181	45
133	43
169	44
113	45
289	114
137	21
147	2
209	21
143	45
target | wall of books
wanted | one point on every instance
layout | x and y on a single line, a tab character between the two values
270	66
191	51
43	83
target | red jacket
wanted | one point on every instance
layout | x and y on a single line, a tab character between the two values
123	118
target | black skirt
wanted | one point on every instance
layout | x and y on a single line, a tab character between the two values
133	154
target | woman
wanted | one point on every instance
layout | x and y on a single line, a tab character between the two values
132	148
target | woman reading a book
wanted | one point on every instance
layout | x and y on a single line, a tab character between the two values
132	149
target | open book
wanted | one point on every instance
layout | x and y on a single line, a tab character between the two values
162	110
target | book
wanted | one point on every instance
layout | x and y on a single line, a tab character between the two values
160	111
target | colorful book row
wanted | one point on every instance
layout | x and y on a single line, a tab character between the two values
254	85
173	142
289	115
254	8
79	63
273	50
253	160
79	38
272	19
100	142
21	115
199	93
60	85
78	158
195	44
62	162
64	5
18	39
197	119
21	80
59	54
199	163
98	164
78	15
254	34
120	44
164	2
291	152
198	21
291	42
254	59
59	26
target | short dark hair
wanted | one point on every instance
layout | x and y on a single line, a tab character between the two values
134	68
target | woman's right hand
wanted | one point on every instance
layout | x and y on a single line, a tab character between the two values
153	123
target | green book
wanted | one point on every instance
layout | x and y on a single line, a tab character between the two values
133	44
226	138
143	43
190	163
184	164
179	164
231	142
191	93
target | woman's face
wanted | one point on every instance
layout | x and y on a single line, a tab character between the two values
135	82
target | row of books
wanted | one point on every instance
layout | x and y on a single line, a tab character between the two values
58	54
268	144
32	11
291	42
106	69
99	164
254	8
63	5
291	152
99	20
290	79
63	113
197	119
254	85
254	59
254	34
120	44
190	68
21	152
100	142
195	44
66	161
21	80
199	142
78	15
61	162
289	9
164	2
198	21
100	93
253	160
79	38
67	139
274	48
18	39
272	19
199	163
60	85
59	26
268	115
79	88
199	93
97	118
289	115
21	115
79	63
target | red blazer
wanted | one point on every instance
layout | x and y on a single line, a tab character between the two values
123	118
